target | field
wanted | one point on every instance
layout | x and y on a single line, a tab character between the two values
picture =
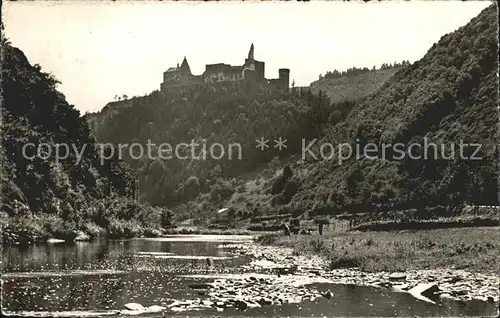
472	249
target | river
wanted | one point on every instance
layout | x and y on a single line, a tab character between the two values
86	278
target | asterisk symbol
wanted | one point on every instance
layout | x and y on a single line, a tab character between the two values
280	143
262	143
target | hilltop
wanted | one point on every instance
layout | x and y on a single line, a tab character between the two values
353	85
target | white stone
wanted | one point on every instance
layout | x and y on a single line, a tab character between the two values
155	308
134	306
421	289
397	276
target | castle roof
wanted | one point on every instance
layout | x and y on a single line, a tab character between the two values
172	69
185	64
184	67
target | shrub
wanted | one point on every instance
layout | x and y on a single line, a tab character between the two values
287	172
267	239
124	229
25	229
343	261
317	245
289	191
278	185
191	188
167	218
255	227
52	223
93	230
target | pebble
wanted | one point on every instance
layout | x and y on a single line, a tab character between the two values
251	290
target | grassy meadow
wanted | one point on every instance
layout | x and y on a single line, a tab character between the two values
472	249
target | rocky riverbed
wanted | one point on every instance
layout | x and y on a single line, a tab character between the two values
275	276
447	283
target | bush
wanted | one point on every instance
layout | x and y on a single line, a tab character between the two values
289	191
167	218
221	191
25	229
256	227
287	172
343	261
267	239
317	245
52	223
191	188
278	185
93	230
124	229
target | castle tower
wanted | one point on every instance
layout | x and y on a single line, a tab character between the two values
185	67
250	53
284	78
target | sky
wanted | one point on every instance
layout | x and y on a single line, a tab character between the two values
99	49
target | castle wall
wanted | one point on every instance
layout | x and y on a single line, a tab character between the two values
284	77
251	71
260	70
219	77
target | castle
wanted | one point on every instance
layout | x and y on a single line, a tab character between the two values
220	74
250	75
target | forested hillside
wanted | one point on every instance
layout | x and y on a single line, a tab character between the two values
206	116
448	97
40	195
222	116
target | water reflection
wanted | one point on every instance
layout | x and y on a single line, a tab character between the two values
58	277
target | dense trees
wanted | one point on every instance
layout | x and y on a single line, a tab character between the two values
228	117
447	98
42	194
353	71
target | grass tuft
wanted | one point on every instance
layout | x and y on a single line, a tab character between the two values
474	249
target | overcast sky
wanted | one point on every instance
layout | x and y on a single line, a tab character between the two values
100	49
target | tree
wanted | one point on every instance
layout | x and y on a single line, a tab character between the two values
167	218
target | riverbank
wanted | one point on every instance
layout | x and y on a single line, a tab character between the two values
439	223
473	249
461	263
263	279
34	233
114	217
286	270
208	231
432	266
